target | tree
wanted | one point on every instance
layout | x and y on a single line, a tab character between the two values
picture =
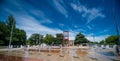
4	33
102	42
36	39
18	35
1	42
59	38
112	40
49	39
80	38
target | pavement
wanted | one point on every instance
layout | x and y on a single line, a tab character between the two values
72	53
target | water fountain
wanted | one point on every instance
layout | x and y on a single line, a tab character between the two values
75	55
93	56
15	54
39	50
61	52
26	54
49	51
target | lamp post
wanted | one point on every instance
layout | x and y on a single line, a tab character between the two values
117	30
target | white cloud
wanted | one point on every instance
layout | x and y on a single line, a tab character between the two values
37	13
97	38
58	4
90	14
22	11
41	16
31	25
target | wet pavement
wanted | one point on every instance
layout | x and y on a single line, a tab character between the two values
66	54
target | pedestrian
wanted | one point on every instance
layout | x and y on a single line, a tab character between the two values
117	50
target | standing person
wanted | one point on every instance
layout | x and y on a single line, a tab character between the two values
117	50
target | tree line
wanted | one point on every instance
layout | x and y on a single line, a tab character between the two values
36	39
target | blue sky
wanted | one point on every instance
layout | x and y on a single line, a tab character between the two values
90	17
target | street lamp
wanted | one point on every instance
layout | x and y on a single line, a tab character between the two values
117	30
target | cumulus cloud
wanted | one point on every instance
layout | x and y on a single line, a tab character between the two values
90	14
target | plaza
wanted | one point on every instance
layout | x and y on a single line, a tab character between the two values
71	53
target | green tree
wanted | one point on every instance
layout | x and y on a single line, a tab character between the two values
27	42
80	38
4	33
49	39
58	39
102	42
18	35
36	39
1	42
112	40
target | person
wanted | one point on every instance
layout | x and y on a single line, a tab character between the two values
117	50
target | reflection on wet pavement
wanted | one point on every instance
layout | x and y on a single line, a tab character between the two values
69	54
16	58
